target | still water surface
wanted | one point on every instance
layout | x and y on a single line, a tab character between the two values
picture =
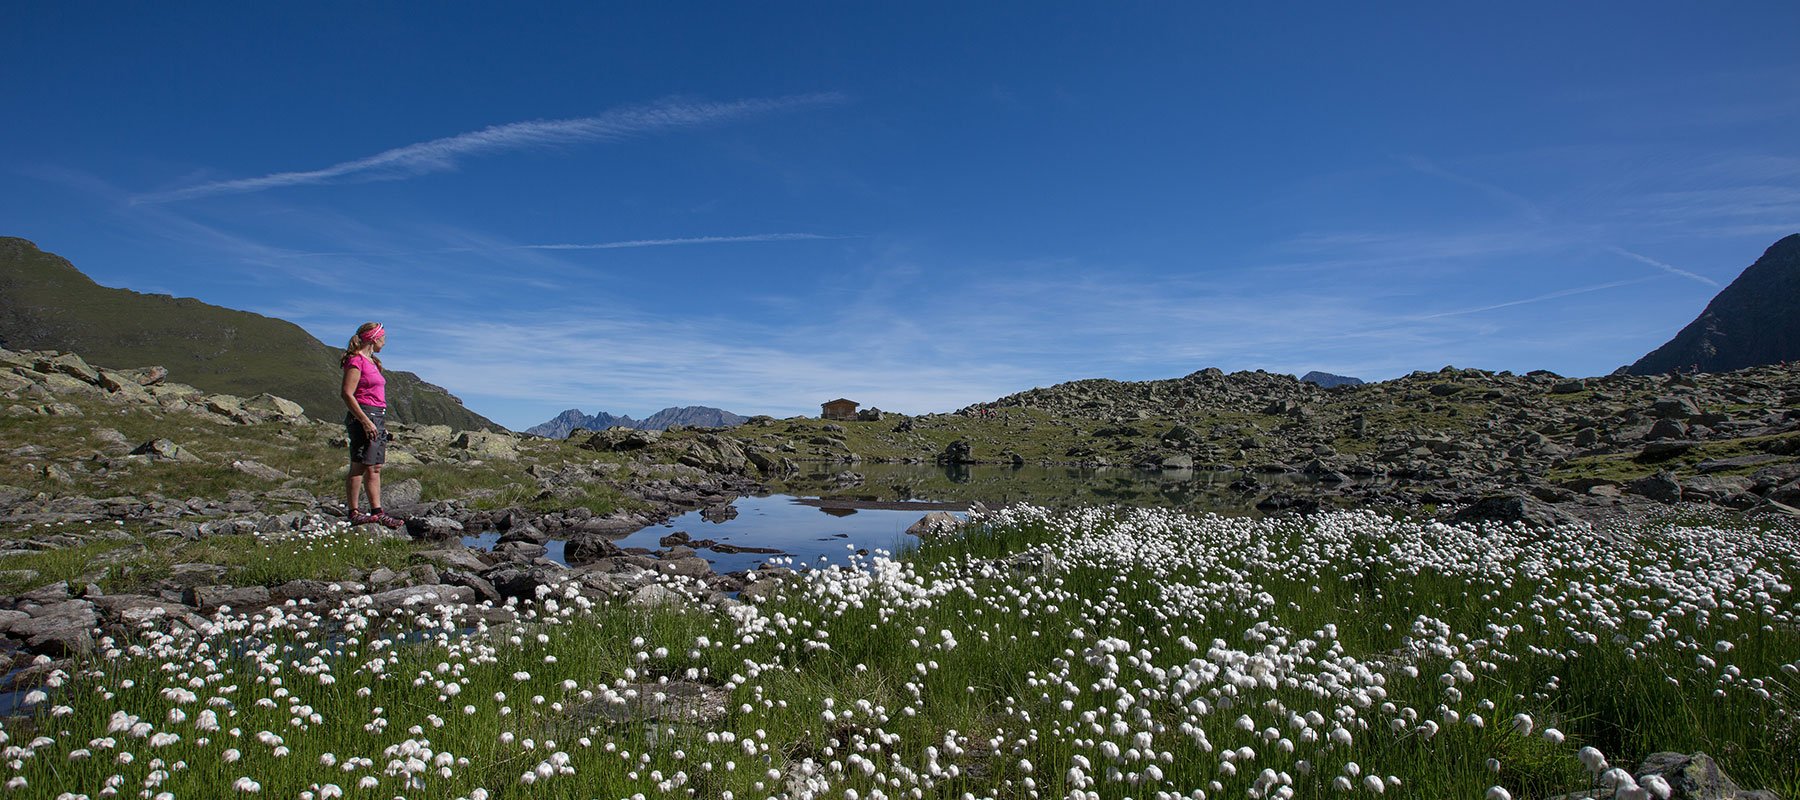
812	530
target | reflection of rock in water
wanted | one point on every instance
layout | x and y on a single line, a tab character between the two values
719	513
957	473
838	512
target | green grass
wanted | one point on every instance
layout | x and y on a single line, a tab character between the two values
1623	467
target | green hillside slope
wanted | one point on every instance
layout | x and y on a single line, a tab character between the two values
47	304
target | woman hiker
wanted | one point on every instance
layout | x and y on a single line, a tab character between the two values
365	394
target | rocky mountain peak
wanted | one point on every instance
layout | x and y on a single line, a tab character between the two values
1749	323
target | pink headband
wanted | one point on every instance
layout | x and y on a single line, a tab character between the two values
374	333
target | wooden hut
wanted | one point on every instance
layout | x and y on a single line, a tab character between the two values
838	409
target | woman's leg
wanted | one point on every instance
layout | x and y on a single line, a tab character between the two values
353	484
372	483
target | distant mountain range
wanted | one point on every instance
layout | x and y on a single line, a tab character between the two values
1754	321
1327	380
48	304
685	416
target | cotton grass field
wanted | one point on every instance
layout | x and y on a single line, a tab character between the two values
1098	653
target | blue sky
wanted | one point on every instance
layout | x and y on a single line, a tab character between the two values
763	206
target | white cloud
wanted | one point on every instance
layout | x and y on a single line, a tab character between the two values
439	155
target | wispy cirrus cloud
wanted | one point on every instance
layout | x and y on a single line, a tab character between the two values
1669	268
439	155
755	237
1525	206
624	244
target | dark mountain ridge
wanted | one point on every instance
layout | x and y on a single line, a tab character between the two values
1326	380
1752	322
48	304
685	416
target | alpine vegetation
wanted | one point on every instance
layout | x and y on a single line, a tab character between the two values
1091	653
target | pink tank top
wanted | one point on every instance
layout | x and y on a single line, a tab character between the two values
371	388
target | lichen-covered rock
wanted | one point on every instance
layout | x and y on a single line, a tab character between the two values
487	445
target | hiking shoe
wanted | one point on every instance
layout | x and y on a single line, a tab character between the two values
385	519
359	518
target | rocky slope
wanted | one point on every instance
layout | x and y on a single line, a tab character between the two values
47	304
1753	321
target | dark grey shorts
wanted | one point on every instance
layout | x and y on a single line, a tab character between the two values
362	450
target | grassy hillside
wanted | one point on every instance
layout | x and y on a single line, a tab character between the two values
47	304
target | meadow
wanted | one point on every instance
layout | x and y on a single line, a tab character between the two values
1091	653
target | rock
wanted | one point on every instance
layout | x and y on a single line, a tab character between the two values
422	597
1572	386
224	405
655	595
305	590
713	453
269	406
1739	462
621	440
1661	487
1177	461
523	552
1713	489
68	364
523	582
1674	408
957	452
688	567
461	558
47	594
144	376
401	494
434	528
1514	508
1668	428
585	548
936	523
1695	777
523	532
165	450
256	469
238	598
487	445
58	630
770	462
484	591
616	525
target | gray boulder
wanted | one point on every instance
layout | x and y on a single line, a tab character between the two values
936	523
422	597
1661	487
59	629
1513	508
436	529
487	445
165	450
238	598
257	469
585	548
